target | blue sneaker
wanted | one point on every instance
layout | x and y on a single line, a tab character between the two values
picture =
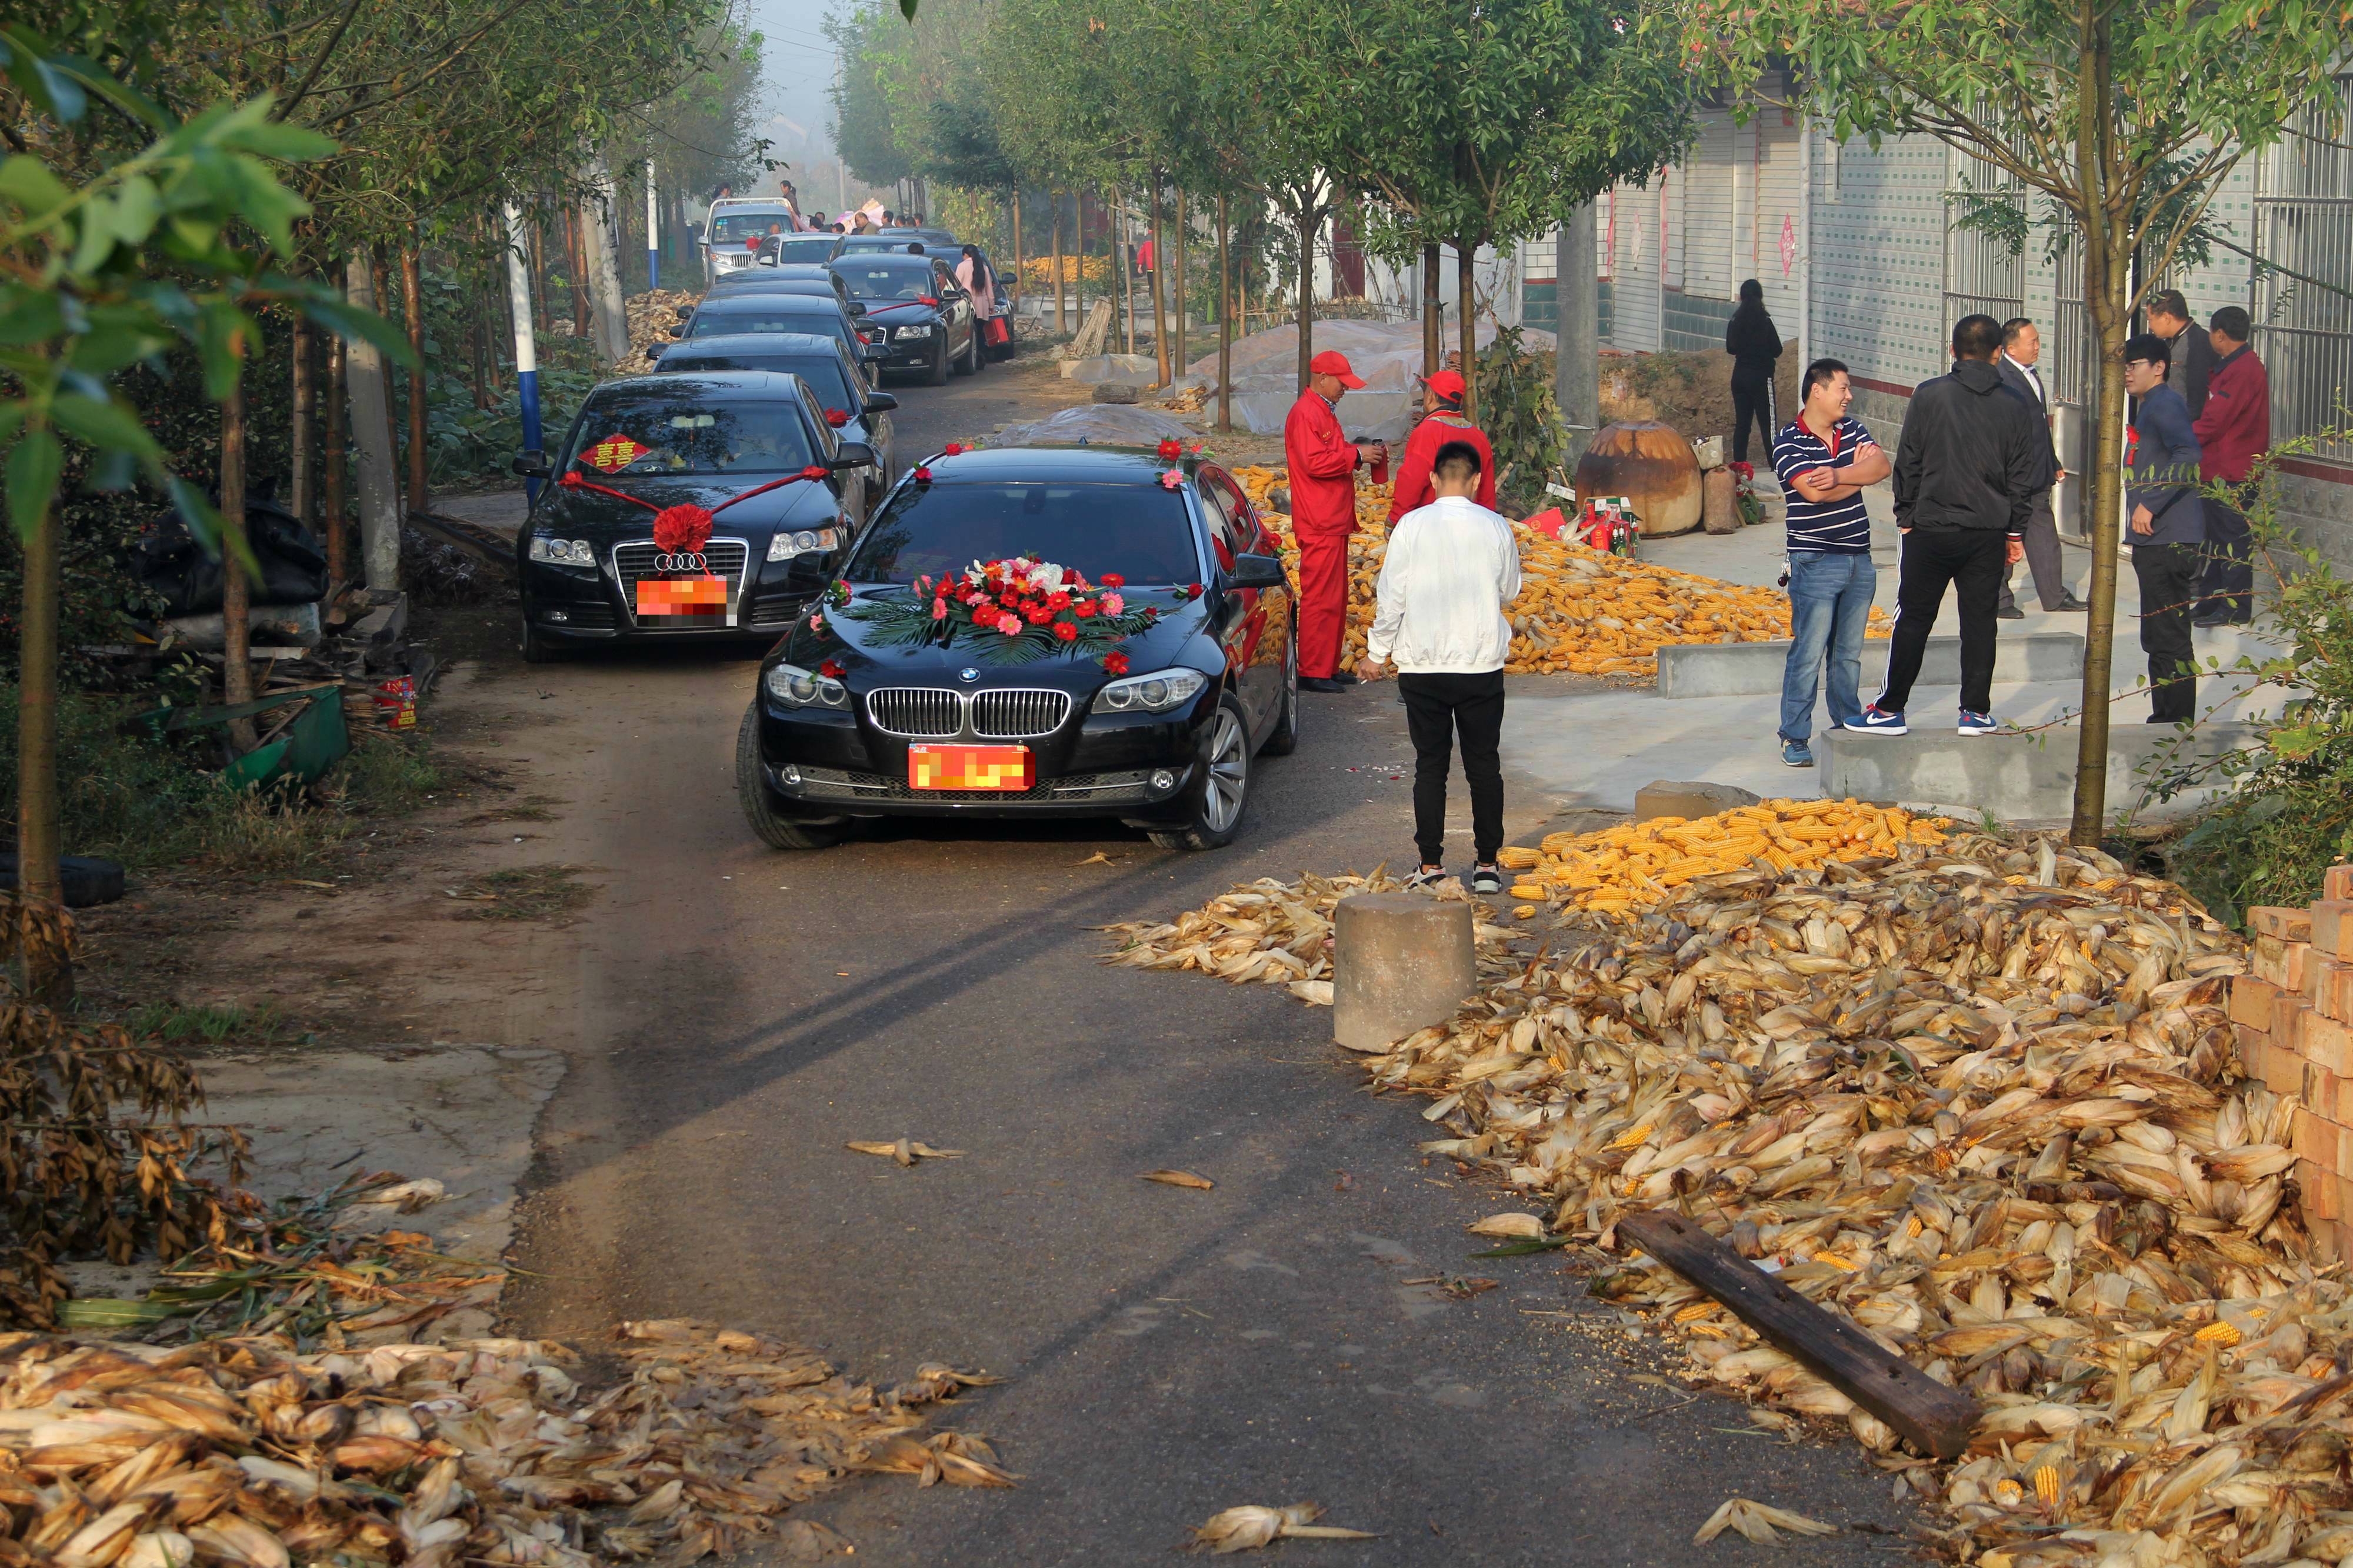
1797	754
1977	723
1875	720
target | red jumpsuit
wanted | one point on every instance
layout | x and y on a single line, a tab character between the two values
1413	489
1323	475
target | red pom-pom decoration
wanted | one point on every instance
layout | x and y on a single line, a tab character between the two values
1114	663
831	669
837	417
681	529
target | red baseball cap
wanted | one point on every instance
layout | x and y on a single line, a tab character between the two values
1332	362
1446	383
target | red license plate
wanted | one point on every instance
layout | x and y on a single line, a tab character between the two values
971	767
687	598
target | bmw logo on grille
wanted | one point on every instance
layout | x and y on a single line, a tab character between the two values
967	673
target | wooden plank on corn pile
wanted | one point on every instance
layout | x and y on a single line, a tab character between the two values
1580	611
1932	1417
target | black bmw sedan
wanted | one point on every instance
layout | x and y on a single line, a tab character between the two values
1038	631
915	299
745	458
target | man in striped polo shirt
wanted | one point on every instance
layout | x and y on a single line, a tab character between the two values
1824	457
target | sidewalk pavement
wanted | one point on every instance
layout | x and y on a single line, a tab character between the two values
1595	748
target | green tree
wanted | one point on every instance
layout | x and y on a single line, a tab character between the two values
2127	117
863	130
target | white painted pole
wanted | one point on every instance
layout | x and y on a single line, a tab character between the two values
526	347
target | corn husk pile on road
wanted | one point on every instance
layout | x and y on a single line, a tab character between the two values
1580	611
484	1451
1636	864
652	316
1981	1097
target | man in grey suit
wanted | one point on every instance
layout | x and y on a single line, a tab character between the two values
2021	347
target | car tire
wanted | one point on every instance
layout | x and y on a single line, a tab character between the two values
979	353
759	802
1225	791
538	647
938	375
1284	739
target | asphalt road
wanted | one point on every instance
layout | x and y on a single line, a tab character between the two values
735	1015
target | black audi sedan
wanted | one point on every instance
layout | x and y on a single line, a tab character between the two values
878	704
916	299
853	407
725	314
590	562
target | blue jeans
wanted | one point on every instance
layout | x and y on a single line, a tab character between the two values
1830	605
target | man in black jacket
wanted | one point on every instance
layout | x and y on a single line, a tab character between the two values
1966	467
2193	349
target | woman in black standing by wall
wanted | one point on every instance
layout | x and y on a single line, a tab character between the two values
1753	345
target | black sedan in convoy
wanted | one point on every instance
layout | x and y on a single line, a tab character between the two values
857	411
816	280
590	570
869	708
917	301
730	313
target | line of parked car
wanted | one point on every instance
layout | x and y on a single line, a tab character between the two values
751	486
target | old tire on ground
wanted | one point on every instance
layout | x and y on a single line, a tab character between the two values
1225	792
84	880
759	802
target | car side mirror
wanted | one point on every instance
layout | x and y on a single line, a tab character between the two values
875	353
881	403
1257	572
532	465
854	455
857	307
684	311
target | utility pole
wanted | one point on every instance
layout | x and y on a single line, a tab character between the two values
526	350
653	229
1577	370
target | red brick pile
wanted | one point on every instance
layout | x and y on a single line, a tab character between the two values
2295	1019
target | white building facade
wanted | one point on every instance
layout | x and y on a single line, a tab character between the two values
1860	260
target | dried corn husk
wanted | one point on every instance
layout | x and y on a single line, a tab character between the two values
243	1453
1252	1526
1759	1522
1579	610
1179	1179
1983	1097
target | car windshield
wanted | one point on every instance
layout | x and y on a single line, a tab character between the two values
1141	532
861	244
871	281
772	313
824	372
806	248
741	226
648	431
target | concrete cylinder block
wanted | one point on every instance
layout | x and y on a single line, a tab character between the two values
1401	962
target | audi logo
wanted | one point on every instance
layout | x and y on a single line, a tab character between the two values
681	564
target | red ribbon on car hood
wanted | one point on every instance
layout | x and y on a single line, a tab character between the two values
685	529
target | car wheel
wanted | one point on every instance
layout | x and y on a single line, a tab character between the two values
538	647
979	351
938	375
1225	789
1284	738
759	802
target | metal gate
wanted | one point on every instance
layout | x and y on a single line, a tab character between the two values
2303	303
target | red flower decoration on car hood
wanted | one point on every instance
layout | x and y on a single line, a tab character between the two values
681	529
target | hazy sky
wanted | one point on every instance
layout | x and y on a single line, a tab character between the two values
798	66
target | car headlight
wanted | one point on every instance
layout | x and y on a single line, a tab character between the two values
1150	694
563	552
784	544
797	688
915	332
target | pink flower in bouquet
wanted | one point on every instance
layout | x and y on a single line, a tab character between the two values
1112	604
1172	478
939	610
1010	624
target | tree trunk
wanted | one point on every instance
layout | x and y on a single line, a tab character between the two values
597	245
1016	287
39	834
1468	323
336	461
380	280
1121	259
1152	282
237	589
2105	259
1177	277
412	302
539	281
575	262
301	481
1079	248
1061	325
1310	218
1433	311
1225	325
371	418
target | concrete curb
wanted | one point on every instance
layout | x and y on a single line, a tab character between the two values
2016	777
1753	668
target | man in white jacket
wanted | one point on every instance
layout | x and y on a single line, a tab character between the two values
1452	567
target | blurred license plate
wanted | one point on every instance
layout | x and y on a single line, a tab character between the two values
971	767
687	598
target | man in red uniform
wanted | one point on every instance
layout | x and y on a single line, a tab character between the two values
1441	421
1322	463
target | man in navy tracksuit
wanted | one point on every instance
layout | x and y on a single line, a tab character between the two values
1966	466
2167	533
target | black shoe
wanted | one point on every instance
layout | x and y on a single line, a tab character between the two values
2011	614
1319	683
1486	879
1342	677
2071	603
2158	719
2208	623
